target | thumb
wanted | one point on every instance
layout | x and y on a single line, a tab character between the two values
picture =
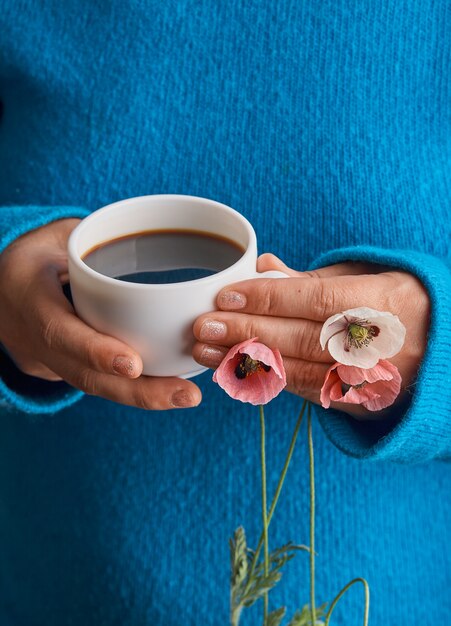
269	261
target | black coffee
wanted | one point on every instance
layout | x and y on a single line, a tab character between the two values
163	256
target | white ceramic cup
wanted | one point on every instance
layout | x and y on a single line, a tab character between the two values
156	319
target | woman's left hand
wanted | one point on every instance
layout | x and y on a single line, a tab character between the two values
288	314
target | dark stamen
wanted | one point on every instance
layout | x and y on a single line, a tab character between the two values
240	371
248	366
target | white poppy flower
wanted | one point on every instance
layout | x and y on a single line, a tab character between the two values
362	336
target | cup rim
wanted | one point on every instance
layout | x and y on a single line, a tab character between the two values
206	280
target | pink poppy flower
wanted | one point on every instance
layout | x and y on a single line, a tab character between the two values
375	388
362	336
251	372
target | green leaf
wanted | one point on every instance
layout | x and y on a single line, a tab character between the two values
304	617
245	589
259	586
275	617
278	558
259	583
238	557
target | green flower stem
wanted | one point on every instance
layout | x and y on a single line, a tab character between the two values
343	591
312	515
264	510
236	613
278	490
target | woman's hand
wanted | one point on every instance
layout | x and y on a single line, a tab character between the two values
288	314
45	338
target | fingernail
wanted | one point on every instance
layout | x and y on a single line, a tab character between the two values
181	399
123	366
231	300
210	357
212	329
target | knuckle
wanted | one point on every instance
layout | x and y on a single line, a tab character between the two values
310	377
87	382
405	294
305	343
268	298
142	398
91	349
306	379
311	274
251	327
325	301
396	291
49	331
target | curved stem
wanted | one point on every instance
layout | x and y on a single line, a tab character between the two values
264	511
312	514
343	591
278	490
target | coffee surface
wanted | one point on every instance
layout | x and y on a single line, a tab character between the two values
163	256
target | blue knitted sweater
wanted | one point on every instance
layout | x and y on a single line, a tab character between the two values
327	123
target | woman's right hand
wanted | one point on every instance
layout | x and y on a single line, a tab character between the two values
46	339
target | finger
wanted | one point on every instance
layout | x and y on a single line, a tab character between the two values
267	262
208	355
313	298
145	392
305	378
297	338
65	336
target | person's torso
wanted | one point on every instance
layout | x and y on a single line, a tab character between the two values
325	123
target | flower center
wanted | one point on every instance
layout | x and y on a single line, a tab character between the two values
360	335
248	366
345	387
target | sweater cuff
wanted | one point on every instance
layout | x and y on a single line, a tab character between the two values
19	391
16	221
421	431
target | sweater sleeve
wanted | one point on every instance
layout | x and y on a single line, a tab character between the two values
422	431
17	390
